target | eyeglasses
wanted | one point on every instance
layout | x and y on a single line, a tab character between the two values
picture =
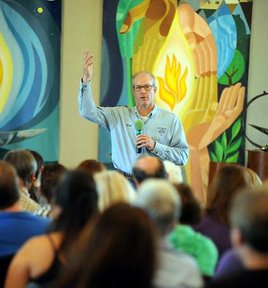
146	87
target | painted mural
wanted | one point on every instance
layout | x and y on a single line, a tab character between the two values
29	75
198	51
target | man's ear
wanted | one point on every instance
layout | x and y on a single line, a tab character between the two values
32	180
237	238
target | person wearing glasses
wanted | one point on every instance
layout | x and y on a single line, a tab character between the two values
162	133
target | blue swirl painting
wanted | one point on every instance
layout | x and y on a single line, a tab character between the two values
29	75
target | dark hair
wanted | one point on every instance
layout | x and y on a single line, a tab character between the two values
50	178
191	213
77	197
141	174
52	169
24	163
249	214
91	166
121	247
9	190
39	161
228	181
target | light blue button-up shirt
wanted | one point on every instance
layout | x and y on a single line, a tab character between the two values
163	126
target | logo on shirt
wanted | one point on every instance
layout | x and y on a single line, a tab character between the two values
161	131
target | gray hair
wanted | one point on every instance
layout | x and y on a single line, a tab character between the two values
161	200
249	215
24	163
146	73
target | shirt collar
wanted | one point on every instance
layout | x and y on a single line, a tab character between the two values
152	113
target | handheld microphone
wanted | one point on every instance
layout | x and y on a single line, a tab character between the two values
138	124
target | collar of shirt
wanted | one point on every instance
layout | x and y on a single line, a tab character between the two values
152	113
25	191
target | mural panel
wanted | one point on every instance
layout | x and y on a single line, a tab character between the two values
29	75
199	53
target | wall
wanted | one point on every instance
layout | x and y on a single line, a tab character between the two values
258	74
82	29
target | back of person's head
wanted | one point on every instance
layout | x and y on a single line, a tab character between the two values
228	181
50	178
77	200
91	166
53	168
113	187
249	215
161	200
39	161
9	190
121	247
149	167
253	177
24	163
191	212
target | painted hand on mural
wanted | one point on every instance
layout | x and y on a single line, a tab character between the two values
205	119
200	136
180	47
156	17
229	108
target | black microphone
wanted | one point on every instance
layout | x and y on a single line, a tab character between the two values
138	124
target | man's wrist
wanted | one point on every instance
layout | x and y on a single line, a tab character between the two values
85	81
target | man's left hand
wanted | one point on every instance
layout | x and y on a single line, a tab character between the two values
145	141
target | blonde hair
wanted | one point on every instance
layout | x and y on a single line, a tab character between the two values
113	188
253	178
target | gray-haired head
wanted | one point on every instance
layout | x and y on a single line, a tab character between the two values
146	73
249	215
24	163
160	199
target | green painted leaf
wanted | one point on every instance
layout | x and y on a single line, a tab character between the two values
236	128
213	157
218	151
224	141
233	158
234	147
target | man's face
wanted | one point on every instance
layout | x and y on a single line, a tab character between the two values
144	90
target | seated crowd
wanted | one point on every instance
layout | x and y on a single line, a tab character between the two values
91	227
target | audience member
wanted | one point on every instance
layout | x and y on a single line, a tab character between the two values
229	261
49	182
228	181
147	167
249	221
53	169
26	167
228	264
41	258
35	187
16	226
120	251
112	188
253	177
184	238
91	166
176	269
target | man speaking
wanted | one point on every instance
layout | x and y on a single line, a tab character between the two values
142	130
